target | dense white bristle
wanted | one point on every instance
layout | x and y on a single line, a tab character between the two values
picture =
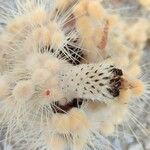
4	87
40	76
23	91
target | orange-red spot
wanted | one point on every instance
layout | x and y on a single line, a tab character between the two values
48	93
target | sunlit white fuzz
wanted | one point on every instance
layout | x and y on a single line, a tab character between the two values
96	10
56	142
4	87
61	124
40	76
23	91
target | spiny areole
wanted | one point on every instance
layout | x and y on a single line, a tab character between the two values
100	82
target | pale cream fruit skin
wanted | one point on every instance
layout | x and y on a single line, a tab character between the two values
35	61
78	121
137	88
58	39
61	123
84	26
134	70
16	25
145	3
38	16
40	76
96	10
23	91
56	142
74	122
19	24
53	65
